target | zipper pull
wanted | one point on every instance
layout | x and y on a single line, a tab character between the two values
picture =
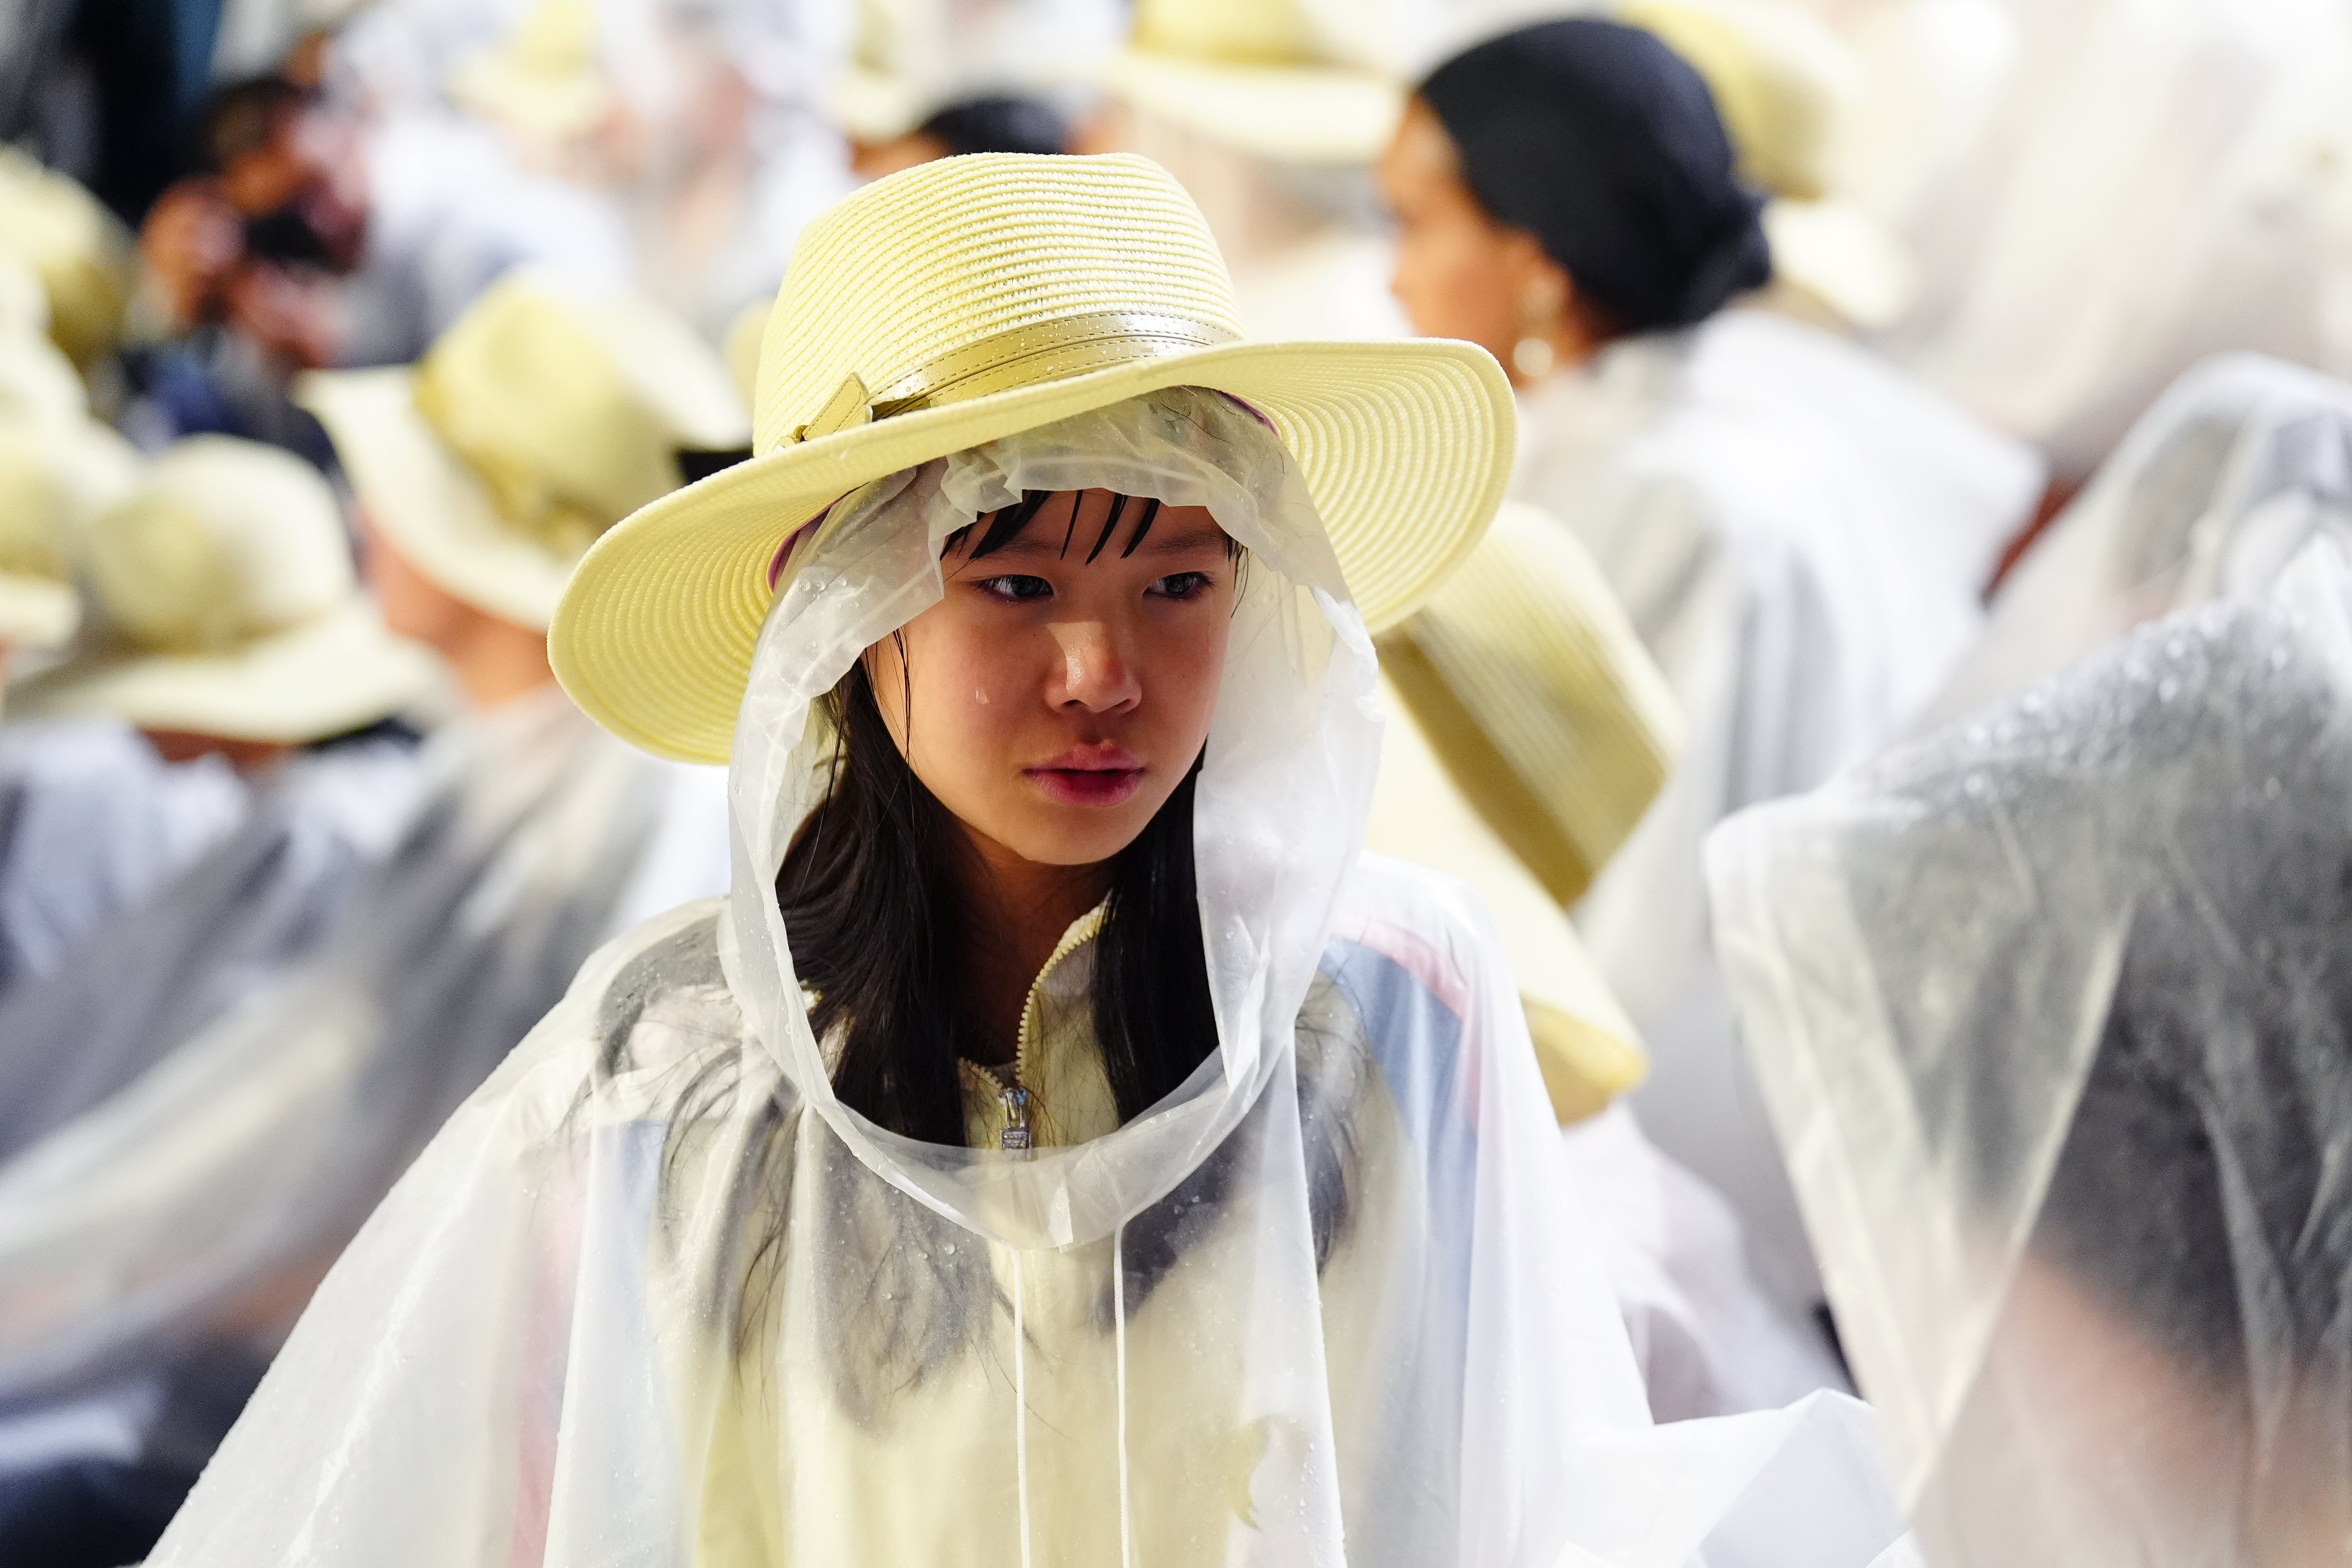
1016	1135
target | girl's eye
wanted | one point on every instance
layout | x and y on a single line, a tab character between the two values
1015	588
1183	585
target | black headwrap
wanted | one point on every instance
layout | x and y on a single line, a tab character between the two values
1000	125
1605	144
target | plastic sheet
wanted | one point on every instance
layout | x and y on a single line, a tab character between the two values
1709	1341
2241	464
91	821
178	1225
2050	1007
144	982
655	1294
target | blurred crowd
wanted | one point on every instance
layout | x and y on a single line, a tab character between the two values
335	333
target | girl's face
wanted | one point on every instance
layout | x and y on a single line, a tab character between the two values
1059	693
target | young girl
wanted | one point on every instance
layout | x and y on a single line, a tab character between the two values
1060	1147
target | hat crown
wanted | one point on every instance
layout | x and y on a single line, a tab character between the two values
906	272
571	405
225	541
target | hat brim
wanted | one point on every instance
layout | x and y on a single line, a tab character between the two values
426	501
1293	114
1405	447
336	674
36	612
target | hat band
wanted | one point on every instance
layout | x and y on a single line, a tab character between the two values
1024	356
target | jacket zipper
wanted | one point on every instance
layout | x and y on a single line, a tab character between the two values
1015	1096
1011	1092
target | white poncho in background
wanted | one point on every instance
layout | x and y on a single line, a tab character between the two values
2051	1008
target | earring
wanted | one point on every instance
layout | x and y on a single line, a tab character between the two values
1532	356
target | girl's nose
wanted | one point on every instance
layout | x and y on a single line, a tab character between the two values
1095	673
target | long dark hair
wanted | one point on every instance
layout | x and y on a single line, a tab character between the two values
869	907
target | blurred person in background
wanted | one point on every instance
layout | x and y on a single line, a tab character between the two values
231	627
696	127
1796	531
90	817
1530	730
2054	1002
155	1248
1272	115
312	238
2132	186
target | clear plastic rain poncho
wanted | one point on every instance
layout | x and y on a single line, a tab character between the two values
2241	464
91	821
655	1295
262	899
2051	1008
167	1237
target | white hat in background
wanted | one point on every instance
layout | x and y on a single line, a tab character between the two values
1786	86
51	483
37	383
78	250
224	580
1298	82
543	416
910	58
546	82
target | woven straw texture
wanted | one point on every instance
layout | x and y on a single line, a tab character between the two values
1536	695
1405	447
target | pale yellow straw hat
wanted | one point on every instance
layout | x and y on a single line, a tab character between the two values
1535	692
546	80
78	250
233	610
52	479
1273	79
1785	83
964	300
544	414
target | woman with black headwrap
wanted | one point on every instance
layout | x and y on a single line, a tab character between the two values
1799	533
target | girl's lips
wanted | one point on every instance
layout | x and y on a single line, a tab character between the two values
1086	786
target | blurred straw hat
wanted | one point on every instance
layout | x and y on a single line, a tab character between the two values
963	300
1529	732
543	416
910	58
546	80
78	249
232	609
53	481
1284	80
37	382
1535	692
1785	83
